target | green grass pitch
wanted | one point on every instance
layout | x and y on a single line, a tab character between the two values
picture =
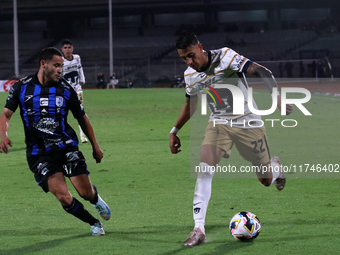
150	191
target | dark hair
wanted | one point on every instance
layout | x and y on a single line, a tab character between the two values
48	53
186	39
66	41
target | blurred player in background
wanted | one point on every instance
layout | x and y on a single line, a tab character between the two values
74	74
52	152
209	68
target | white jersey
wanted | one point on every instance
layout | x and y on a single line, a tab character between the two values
225	67
73	71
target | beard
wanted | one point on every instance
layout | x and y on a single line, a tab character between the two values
49	78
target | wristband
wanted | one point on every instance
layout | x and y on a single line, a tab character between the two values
174	130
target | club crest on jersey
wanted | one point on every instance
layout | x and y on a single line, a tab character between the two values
197	210
59	101
43	101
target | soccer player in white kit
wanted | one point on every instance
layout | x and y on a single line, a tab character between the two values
206	69
73	72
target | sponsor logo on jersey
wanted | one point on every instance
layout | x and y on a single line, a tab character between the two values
11	92
70	67
27	98
29	112
26	80
53	142
43	101
46	125
44	111
239	60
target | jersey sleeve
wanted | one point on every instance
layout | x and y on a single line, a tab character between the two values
81	72
13	97
234	61
190	90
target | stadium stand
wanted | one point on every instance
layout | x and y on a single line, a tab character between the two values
133	53
145	49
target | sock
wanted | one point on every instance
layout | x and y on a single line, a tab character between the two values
95	199
202	195
275	170
81	132
77	210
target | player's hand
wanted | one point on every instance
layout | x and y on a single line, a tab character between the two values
289	108
175	143
97	154
4	145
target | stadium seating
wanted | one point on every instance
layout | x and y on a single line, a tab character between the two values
153	53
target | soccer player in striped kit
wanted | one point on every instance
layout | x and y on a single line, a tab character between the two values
44	100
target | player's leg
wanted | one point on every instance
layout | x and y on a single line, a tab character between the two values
202	194
271	172
58	187
89	192
48	173
253	146
79	91
263	173
211	154
280	180
78	174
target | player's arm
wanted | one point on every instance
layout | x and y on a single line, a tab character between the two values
81	76
4	124
86	126
188	110
78	112
269	80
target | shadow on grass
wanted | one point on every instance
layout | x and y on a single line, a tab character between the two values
167	239
17	149
40	246
176	235
229	247
39	231
215	245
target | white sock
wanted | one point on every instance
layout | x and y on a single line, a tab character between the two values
202	195
275	170
81	132
200	225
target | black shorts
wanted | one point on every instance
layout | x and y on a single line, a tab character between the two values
71	162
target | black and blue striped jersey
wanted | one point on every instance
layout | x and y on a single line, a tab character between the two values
44	111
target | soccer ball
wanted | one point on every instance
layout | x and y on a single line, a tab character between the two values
245	226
